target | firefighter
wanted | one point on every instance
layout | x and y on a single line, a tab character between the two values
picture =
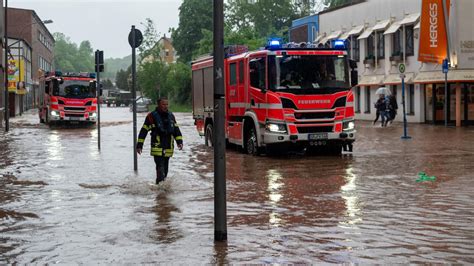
164	131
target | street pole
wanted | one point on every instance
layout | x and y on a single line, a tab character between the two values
97	63
5	71
448	58
220	212
405	136
134	96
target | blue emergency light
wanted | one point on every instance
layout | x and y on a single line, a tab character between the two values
338	44
274	43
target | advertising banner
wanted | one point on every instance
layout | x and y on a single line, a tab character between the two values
433	38
16	67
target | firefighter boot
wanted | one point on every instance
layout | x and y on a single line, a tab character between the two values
159	176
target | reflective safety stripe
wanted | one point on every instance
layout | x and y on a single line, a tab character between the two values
349	104
179	138
159	152
146	127
268	106
141	140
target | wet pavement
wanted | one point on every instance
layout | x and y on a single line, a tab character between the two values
63	201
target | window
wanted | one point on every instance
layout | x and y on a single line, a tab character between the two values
397	43
370	47
357	99
380	45
355	45
409	40
233	74
411	99
257	72
367	100
241	72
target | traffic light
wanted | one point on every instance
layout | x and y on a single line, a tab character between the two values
99	61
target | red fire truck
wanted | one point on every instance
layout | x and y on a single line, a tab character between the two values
280	97
68	97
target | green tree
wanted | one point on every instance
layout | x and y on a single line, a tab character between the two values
336	3
194	16
68	57
150	39
178	83
121	79
267	17
107	84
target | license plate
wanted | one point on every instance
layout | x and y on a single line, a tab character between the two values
316	136
73	118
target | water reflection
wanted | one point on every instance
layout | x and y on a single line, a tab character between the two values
274	185
165	231
349	194
54	146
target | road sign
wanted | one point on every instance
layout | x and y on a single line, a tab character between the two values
445	66
138	38
401	68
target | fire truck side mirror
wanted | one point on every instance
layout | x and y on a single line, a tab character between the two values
354	78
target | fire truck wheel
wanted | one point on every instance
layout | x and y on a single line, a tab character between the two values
208	135
251	144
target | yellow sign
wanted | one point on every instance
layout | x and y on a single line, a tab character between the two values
16	73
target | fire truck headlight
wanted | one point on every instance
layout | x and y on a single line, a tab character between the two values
348	125
275	128
54	113
93	115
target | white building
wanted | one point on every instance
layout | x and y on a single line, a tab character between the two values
384	33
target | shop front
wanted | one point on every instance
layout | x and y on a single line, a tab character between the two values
457	104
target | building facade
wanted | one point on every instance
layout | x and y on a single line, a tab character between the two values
381	34
25	24
304	29
167	51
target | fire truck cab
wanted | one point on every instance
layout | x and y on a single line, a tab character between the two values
69	97
280	97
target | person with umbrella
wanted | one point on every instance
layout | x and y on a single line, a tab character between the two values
381	105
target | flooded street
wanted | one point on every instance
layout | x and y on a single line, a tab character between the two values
63	201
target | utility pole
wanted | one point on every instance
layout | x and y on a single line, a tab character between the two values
99	67
446	65
135	38
5	71
220	212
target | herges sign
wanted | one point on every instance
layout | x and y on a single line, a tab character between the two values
433	38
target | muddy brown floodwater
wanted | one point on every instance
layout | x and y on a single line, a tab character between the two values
63	201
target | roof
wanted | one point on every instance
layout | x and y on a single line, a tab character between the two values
37	18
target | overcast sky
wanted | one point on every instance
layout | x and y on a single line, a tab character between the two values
105	23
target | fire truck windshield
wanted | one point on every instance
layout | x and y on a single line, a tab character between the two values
75	89
308	73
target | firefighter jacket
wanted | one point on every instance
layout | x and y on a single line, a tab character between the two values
164	131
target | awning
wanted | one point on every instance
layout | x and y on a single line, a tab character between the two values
410	19
393	28
371	80
417	26
365	34
334	35
354	31
394	79
438	76
382	25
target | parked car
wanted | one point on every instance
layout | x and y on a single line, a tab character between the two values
142	105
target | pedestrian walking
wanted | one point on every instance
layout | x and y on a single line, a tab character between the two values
378	106
392	107
164	131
